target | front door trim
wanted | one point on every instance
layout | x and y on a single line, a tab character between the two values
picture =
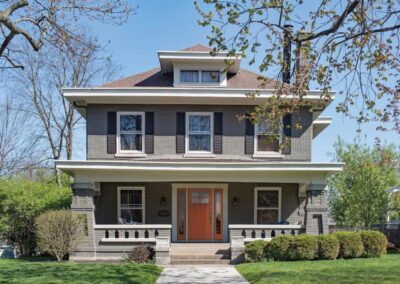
174	215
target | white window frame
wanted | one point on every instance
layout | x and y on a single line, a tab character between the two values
200	76
142	188
188	152
279	208
266	153
134	152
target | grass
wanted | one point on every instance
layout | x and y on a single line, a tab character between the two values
372	270
37	270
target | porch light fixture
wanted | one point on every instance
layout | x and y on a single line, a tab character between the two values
235	202
163	201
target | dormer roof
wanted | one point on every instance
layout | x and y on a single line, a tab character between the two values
243	79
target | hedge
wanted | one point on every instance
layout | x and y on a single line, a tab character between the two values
351	245
375	243
255	250
328	247
305	247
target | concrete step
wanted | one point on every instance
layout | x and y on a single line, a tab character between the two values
198	261
199	256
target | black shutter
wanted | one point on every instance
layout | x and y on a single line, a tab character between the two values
249	138
149	133
180	132
287	134
217	132
111	132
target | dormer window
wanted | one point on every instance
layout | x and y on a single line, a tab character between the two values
200	76
210	76
189	76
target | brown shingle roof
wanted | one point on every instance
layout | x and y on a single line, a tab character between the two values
197	47
244	79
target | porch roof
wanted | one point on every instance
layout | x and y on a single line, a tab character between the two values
72	166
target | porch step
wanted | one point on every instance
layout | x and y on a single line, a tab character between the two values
200	253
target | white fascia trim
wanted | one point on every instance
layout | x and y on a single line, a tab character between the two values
323	120
199	167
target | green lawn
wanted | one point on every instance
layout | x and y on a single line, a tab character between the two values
28	271
372	270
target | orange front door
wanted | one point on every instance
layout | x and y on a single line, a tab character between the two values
200	214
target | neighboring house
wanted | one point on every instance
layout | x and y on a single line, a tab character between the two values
168	161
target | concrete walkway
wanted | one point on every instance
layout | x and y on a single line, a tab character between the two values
194	274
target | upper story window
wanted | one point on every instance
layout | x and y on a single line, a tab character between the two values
267	140
199	129
200	76
130	132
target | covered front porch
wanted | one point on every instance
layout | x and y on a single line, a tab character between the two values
132	206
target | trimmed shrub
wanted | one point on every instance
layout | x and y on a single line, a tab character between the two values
141	254
351	245
255	250
302	247
278	247
328	247
375	243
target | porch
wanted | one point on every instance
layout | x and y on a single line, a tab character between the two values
170	204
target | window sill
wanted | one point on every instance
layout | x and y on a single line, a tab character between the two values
268	155
194	155
130	155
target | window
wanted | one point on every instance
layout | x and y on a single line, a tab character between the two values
267	205
267	140
199	128
130	205
130	129
188	76
210	76
206	76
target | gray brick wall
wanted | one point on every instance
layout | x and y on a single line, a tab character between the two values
244	212
106	204
165	129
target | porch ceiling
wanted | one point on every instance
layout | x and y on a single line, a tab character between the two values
116	170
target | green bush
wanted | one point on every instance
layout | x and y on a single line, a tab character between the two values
255	250
302	247
21	202
328	247
278	247
375	243
351	245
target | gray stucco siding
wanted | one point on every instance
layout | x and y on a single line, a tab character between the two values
233	140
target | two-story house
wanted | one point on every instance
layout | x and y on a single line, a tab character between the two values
169	162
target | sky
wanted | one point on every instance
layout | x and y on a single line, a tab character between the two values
172	25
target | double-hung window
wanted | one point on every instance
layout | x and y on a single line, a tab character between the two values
200	76
130	128
199	129
267	205
131	205
267	138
